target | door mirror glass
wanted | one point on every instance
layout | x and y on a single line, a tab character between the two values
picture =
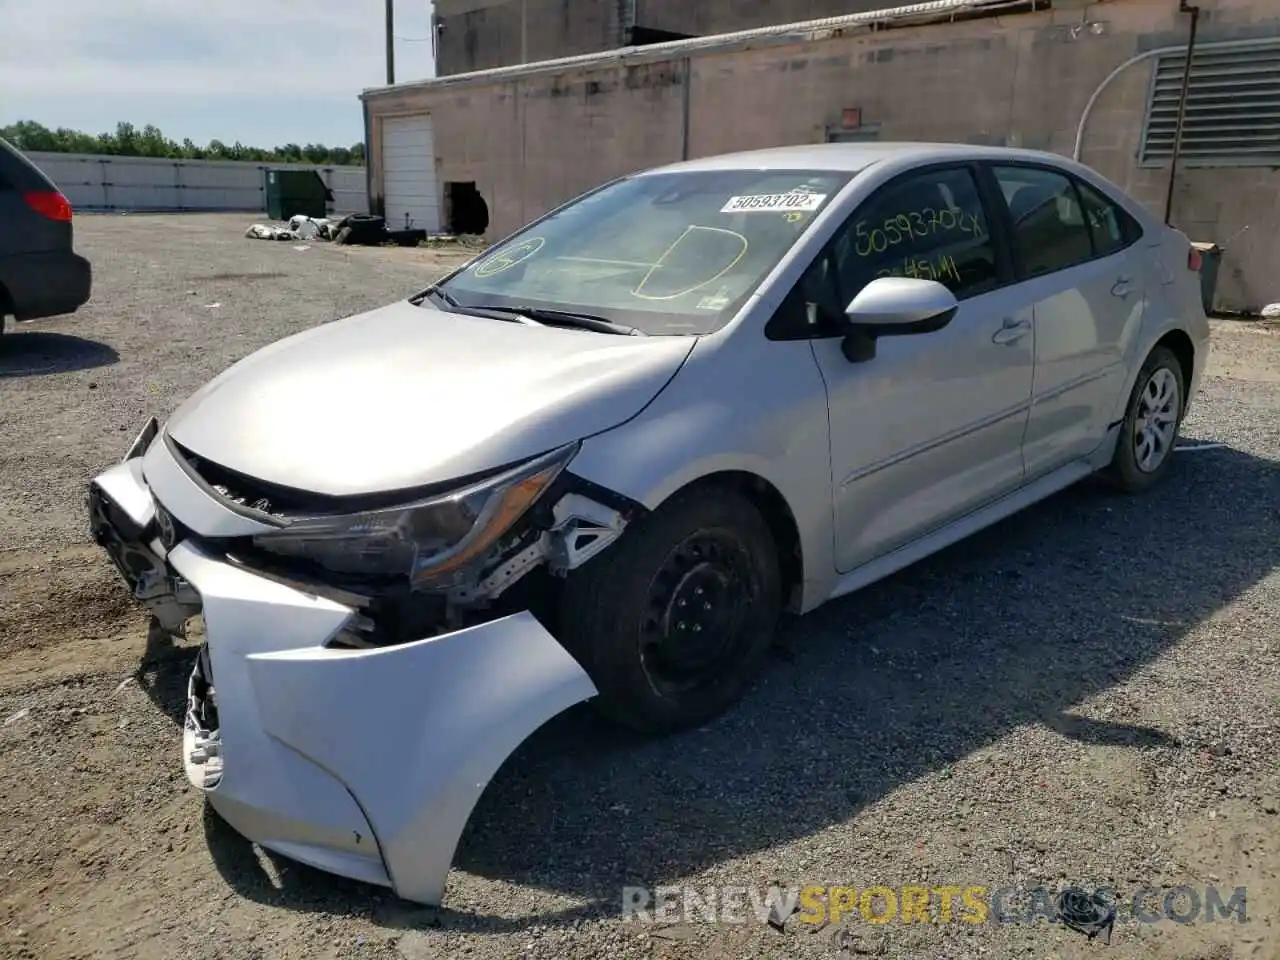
902	305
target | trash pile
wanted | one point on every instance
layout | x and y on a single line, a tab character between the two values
357	228
363	229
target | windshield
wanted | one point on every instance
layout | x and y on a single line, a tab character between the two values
666	253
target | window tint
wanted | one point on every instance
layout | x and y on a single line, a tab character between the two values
1110	227
929	225
1049	229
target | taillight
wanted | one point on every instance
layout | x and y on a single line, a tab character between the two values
1194	260
49	203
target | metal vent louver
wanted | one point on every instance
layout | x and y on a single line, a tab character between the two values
1233	109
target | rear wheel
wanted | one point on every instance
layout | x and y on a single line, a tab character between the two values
1150	426
674	620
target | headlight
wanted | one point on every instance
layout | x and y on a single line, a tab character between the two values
430	542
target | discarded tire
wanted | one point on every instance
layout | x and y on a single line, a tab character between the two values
363	229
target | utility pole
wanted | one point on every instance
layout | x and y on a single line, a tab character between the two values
391	42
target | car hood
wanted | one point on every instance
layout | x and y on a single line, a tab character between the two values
408	396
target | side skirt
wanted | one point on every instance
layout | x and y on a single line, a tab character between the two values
957	530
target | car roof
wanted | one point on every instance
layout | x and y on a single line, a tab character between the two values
853	157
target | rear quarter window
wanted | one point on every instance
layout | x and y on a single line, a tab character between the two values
1111	227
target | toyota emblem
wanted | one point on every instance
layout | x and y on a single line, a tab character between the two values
168	535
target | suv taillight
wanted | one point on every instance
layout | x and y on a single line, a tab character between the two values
1194	260
49	203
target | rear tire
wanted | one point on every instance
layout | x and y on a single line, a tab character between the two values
673	621
1151	422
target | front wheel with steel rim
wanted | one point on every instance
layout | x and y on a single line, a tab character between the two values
674	620
1150	427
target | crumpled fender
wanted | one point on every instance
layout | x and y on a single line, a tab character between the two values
416	732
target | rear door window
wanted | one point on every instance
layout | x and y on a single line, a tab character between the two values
1049	228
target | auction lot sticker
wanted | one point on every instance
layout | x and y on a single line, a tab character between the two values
794	202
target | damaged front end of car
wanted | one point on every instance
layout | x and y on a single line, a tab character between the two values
368	664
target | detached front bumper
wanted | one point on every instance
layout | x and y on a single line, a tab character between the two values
363	763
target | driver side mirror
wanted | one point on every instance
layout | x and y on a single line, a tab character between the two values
895	307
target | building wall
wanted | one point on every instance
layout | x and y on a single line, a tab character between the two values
530	143
492	35
481	34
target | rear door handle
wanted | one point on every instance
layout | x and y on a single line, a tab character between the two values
1121	287
1012	331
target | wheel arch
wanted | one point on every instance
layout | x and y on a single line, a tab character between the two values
777	513
1178	341
1181	346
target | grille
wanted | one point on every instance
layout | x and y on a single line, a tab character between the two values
248	493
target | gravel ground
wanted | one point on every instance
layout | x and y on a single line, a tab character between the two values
1087	693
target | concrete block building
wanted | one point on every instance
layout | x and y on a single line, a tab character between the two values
482	34
492	147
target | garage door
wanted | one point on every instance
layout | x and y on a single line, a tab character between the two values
409	174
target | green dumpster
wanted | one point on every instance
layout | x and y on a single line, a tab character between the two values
1210	261
293	192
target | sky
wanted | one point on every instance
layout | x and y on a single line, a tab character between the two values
264	72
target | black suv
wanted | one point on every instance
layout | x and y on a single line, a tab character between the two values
40	275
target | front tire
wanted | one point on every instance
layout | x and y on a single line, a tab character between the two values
1149	430
673	621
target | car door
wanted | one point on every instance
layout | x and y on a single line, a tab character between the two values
1080	269
931	427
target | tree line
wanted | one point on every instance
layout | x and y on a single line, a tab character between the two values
129	141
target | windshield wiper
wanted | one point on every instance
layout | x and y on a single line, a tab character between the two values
438	294
535	316
582	321
495	313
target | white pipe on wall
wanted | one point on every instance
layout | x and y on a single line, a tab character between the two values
1147	55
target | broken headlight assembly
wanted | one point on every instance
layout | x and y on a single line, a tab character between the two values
433	542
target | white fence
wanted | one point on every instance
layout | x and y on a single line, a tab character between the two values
94	182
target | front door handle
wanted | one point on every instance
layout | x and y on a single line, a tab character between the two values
1012	331
1121	287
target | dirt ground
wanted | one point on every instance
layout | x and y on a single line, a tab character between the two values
1088	693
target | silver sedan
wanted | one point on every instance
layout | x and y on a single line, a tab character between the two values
598	462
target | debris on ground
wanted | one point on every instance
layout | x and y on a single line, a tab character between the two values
473	240
300	227
266	231
358	229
